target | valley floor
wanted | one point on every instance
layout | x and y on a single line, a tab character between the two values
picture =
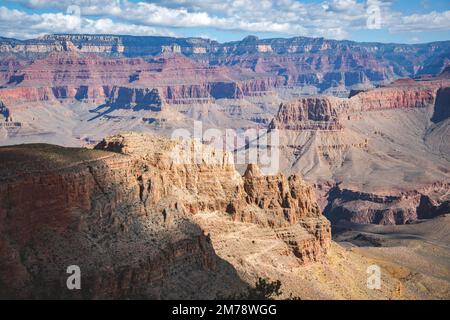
414	260
417	255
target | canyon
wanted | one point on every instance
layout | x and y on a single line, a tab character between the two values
74	95
320	64
375	157
74	90
143	220
130	213
91	174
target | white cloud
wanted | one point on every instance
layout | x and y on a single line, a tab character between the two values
420	22
17	24
329	18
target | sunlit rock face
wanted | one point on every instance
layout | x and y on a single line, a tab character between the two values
130	214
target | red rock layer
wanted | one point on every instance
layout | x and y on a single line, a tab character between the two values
70	75
324	113
319	113
125	217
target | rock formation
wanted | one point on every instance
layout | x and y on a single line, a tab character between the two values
377	156
91	78
4	112
298	61
319	113
130	215
442	110
76	89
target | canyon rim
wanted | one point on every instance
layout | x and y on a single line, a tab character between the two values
95	174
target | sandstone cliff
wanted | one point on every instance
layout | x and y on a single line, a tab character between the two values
4	111
299	61
389	208
92	78
130	214
309	114
442	110
376	157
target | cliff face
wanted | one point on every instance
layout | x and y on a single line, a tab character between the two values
395	97
95	79
442	110
18	96
394	208
315	113
129	217
372	149
325	113
298	61
137	98
4	112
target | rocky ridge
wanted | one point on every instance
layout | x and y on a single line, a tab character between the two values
298	61
128	214
74	76
343	146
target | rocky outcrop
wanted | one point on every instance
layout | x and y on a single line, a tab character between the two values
125	213
75	69
366	208
4	112
390	208
135	98
442	106
325	113
22	95
298	61
395	97
315	113
185	94
95	79
365	143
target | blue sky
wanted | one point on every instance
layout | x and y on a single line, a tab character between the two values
406	21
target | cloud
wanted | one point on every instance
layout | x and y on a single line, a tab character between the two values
329	18
18	24
433	21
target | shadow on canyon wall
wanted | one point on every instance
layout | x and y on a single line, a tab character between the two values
53	216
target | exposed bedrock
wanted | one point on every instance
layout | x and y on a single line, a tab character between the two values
137	98
4	111
395	97
391	209
309	113
442	106
124	214
325	113
379	143
20	95
298	61
124	96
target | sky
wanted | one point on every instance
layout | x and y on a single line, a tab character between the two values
400	21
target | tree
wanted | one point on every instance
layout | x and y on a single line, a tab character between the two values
264	289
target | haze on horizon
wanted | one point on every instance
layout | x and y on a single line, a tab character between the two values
401	21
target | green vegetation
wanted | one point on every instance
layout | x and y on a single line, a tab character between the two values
264	289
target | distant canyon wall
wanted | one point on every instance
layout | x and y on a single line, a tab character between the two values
324	112
321	136
299	61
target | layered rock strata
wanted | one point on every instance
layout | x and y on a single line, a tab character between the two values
378	156
126	215
300	61
90	78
